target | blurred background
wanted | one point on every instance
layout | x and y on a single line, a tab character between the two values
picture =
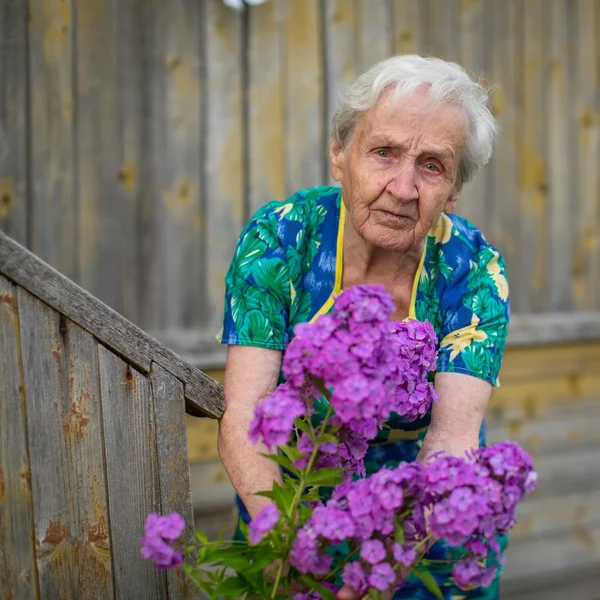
137	137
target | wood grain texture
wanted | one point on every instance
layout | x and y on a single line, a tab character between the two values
173	469
410	26
585	121
203	395
53	486
83	428
54	234
374	32
13	120
100	218
503	204
132	474
131	99
224	164
266	130
306	142
340	50
562	187
179	99
18	569
529	290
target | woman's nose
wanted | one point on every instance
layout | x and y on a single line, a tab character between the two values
403	183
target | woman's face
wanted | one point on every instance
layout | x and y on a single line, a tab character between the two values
398	173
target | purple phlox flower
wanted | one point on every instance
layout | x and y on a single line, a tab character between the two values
262	523
360	501
385	486
332	523
355	576
404	555
304	554
382	576
274	417
471	573
373	551
161	532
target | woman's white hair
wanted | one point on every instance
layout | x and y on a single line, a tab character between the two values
447	83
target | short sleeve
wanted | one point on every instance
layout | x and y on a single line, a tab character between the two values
257	286
476	309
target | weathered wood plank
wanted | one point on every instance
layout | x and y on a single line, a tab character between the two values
340	50
571	510
132	474
502	205
553	554
134	174
179	104
13	120
99	255
18	569
530	288
266	105
374	32
562	187
410	26
45	379
442	32
585	122
83	428
557	327
475	58
173	469
52	153
224	164
306	138
203	395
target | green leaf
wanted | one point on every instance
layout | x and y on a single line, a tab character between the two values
284	461
201	537
306	427
290	451
315	585
429	582
232	587
331	477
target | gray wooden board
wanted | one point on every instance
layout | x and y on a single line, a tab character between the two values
131	108
410	26
52	124
374	32
13	120
553	554
204	396
18	569
45	376
131	471
173	469
100	217
224	163
84	432
553	327
179	209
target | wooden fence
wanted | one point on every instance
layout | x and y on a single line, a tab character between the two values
92	440
137	136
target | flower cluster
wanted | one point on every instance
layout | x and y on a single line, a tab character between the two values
474	499
373	366
157	545
364	513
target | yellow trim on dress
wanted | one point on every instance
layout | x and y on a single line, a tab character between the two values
413	297
339	266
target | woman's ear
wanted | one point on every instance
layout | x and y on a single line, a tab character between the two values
337	158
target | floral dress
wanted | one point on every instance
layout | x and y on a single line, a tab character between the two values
287	269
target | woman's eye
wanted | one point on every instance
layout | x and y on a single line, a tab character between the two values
432	167
382	153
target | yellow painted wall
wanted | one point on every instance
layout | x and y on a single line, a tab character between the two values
531	379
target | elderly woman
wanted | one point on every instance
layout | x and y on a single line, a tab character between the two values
409	133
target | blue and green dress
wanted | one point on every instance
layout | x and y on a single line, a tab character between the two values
287	269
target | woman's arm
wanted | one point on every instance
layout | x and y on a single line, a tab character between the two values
250	375
457	418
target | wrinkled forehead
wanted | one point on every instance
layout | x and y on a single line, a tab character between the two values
395	112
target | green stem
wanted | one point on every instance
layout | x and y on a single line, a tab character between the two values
277	578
